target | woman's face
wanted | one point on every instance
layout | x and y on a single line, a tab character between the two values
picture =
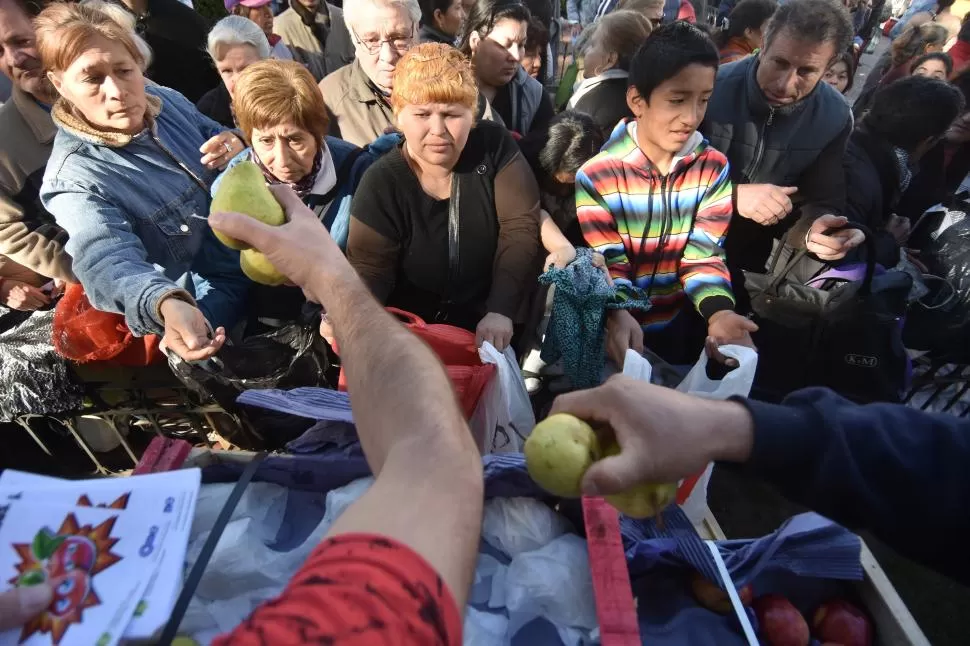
286	150
436	133
496	57
449	22
235	58
755	37
106	86
598	58
263	16
838	76
933	68
532	62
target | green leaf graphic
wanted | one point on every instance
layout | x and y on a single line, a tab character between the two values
33	577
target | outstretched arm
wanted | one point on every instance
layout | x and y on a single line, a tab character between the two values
428	467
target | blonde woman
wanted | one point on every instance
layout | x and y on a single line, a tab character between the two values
126	182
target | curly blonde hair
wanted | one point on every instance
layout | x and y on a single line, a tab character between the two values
434	73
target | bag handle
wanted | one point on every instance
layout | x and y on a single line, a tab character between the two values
408	318
870	245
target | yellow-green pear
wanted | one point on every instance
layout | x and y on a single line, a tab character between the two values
644	500
558	452
259	269
243	190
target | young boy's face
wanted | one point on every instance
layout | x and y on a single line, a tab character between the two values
675	108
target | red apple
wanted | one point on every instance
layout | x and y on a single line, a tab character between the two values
781	623
712	597
841	622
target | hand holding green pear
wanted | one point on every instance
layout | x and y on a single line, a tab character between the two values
243	190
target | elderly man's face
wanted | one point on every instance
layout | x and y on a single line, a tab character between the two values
19	59
791	67
382	37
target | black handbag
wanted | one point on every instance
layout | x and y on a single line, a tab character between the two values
842	329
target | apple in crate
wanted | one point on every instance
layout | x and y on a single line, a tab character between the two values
840	622
711	596
781	623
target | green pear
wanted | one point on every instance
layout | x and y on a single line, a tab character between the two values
259	269
243	190
643	500
558	452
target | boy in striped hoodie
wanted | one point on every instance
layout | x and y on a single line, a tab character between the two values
657	201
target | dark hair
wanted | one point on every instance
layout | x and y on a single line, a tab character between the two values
668	50
913	109
428	8
944	4
933	56
541	9
483	16
748	14
573	138
914	41
814	21
30	7
538	36
849	60
961	81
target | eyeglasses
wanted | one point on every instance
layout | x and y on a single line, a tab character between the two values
398	43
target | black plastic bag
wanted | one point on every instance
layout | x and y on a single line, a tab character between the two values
289	357
940	322
34	379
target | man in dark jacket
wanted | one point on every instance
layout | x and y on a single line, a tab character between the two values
907	118
784	132
896	471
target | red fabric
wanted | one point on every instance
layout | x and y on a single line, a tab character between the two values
83	334
457	350
686	12
960	53
356	590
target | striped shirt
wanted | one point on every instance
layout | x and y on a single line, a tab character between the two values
661	233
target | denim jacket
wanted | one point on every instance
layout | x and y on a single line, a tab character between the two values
129	204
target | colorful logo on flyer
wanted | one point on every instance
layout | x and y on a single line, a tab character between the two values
68	560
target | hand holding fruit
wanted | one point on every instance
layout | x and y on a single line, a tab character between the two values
300	250
663	435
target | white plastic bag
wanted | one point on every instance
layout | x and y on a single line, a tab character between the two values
484	628
553	582
692	493
736	383
504	417
516	525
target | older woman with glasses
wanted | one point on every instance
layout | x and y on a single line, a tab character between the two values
358	95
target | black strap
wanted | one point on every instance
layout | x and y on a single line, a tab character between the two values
454	256
778	278
198	569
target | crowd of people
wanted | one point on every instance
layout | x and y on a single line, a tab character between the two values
418	151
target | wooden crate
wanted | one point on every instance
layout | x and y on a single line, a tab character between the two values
895	626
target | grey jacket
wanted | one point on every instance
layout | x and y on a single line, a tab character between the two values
801	145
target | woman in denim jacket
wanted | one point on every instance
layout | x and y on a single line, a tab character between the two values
125	181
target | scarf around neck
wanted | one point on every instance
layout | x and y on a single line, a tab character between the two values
301	187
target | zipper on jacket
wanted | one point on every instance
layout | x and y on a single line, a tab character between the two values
663	233
171	155
759	151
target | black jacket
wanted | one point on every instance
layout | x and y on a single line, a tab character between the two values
216	104
872	182
429	34
794	145
177	36
606	104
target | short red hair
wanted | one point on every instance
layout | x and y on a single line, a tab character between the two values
434	73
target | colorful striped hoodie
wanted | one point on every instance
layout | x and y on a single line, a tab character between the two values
663	234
